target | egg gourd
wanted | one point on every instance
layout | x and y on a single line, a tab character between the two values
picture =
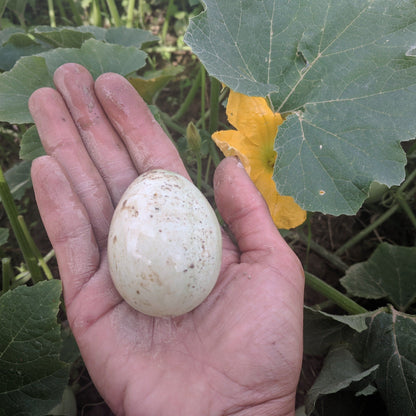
164	245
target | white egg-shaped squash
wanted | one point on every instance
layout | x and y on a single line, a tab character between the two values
164	245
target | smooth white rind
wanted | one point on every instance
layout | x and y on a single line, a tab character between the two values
164	245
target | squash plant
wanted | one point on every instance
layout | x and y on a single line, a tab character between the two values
342	76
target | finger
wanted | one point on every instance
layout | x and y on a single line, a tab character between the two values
147	143
100	139
61	140
244	210
67	224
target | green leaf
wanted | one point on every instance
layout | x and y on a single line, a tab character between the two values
18	178
389	273
98	57
6	34
16	86
68	405
30	343
30	145
153	81
4	235
74	37
344	75
62	37
322	330
340	370
390	343
3	4
129	37
33	72
18	45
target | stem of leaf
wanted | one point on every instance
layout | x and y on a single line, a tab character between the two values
203	85
12	214
363	233
75	13
323	252
51	11
406	208
130	13
7	274
214	104
96	13
165	27
61	10
198	170
171	124
141	12
34	249
114	13
344	302
189	98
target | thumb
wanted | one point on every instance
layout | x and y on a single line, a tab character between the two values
246	213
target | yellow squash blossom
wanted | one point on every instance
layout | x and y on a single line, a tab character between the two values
253	143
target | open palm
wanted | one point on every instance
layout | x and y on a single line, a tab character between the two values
240	351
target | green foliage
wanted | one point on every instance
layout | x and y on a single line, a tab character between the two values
342	73
389	273
340	371
378	343
99	50
34	377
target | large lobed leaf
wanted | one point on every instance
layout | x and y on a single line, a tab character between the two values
343	73
33	72
390	343
340	371
33	376
390	273
99	50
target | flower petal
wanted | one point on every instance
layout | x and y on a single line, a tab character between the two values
232	143
286	213
253	143
253	117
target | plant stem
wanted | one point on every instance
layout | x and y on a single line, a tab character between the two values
213	150
34	249
130	13
343	301
12	214
75	13
363	233
171	124
214	104
61	10
406	208
114	13
165	27
189	98
323	252
198	170
408	180
51	11
141	12
7	274
203	85
207	113
96	13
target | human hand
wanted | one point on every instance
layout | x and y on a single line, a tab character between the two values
240	351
